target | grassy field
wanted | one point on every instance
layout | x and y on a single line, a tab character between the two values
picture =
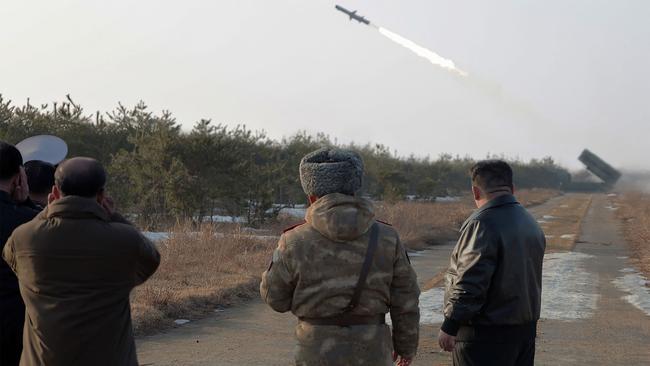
200	269
634	212
211	266
425	223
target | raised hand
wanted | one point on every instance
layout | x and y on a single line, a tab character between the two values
21	188
109	205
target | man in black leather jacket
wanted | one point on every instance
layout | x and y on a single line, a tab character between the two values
15	210
494	283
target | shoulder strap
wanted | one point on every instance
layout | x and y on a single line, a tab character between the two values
370	253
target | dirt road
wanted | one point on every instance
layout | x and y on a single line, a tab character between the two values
615	332
586	321
251	334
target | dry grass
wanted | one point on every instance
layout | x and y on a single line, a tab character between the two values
562	222
634	212
535	196
221	265
200	269
424	223
428	223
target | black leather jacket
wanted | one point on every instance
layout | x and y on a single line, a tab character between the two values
495	275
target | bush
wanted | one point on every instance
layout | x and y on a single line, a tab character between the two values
161	174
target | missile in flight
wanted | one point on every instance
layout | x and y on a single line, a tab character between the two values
431	56
353	15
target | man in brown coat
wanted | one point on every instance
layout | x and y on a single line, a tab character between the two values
317	273
76	263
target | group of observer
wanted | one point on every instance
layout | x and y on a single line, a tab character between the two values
71	261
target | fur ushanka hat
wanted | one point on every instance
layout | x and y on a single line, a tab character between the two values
331	170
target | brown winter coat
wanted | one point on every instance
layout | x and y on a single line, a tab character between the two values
76	268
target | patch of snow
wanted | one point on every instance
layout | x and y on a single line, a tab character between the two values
612	208
622	257
297	212
564	206
219	309
155	236
225	219
568	290
627	270
280	209
162	236
283	205
431	306
181	321
549	217
612	195
431	303
550	236
568	236
636	286
542	222
448	199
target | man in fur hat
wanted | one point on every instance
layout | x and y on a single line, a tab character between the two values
341	271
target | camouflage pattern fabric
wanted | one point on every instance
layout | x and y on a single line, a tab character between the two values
340	346
314	273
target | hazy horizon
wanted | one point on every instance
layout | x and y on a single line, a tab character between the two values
546	79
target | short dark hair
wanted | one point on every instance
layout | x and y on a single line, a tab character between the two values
491	174
83	177
10	161
40	176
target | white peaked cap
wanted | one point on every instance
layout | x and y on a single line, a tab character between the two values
47	148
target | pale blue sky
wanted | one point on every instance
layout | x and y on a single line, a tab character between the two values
571	74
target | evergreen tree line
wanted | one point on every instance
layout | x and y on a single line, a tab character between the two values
159	172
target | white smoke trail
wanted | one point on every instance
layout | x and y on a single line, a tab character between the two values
519	108
433	57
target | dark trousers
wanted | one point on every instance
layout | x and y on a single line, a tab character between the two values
481	353
12	319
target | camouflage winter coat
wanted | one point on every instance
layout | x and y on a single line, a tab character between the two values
314	273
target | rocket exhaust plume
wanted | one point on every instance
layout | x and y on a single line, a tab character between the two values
433	57
486	87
